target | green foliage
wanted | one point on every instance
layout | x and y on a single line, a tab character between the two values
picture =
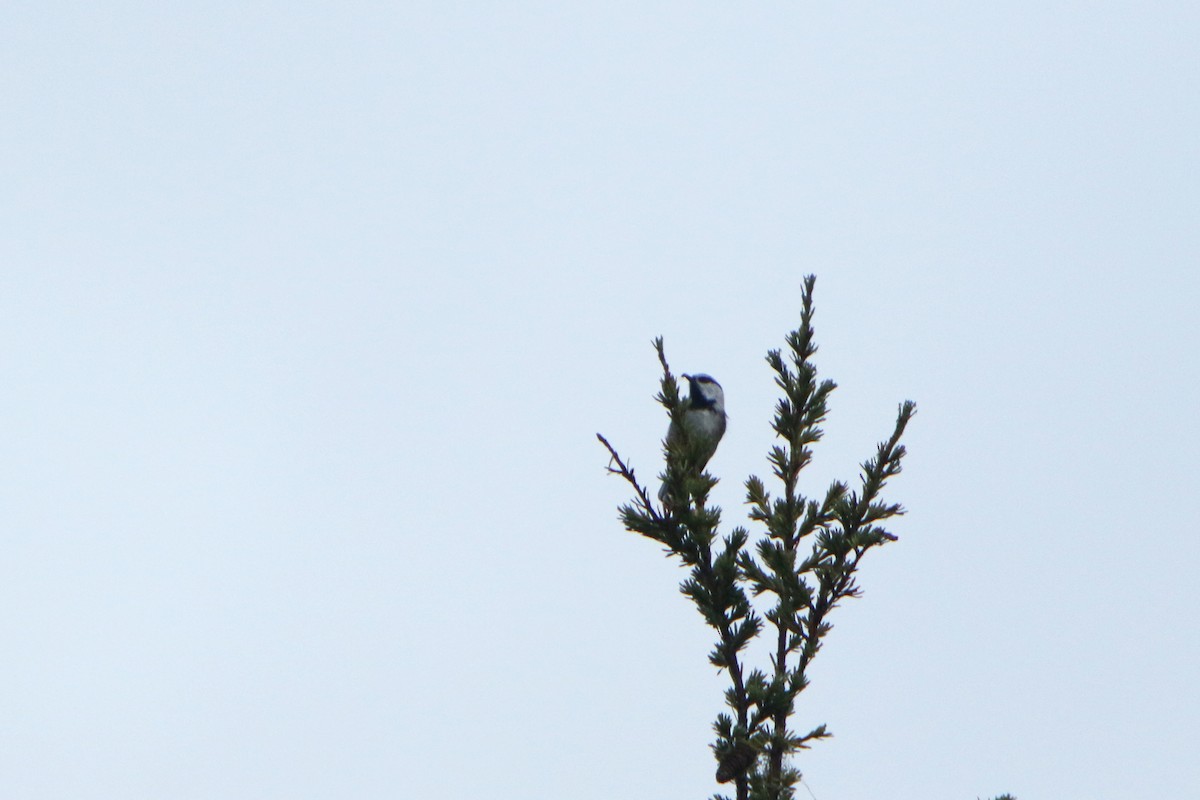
803	564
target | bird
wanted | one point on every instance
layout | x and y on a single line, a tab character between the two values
701	427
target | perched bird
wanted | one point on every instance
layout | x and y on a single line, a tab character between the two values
703	425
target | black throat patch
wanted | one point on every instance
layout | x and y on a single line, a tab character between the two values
695	398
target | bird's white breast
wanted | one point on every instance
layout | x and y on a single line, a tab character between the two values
704	424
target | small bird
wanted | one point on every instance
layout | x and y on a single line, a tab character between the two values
703	424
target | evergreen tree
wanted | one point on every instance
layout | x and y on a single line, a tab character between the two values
803	563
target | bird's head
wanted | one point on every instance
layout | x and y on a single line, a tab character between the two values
704	392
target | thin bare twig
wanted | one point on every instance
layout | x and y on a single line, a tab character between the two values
626	472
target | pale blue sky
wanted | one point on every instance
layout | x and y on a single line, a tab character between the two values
309	314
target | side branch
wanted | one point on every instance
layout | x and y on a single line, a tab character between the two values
626	472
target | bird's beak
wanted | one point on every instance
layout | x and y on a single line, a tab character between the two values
688	377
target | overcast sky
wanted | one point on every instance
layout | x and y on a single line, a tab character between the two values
309	314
